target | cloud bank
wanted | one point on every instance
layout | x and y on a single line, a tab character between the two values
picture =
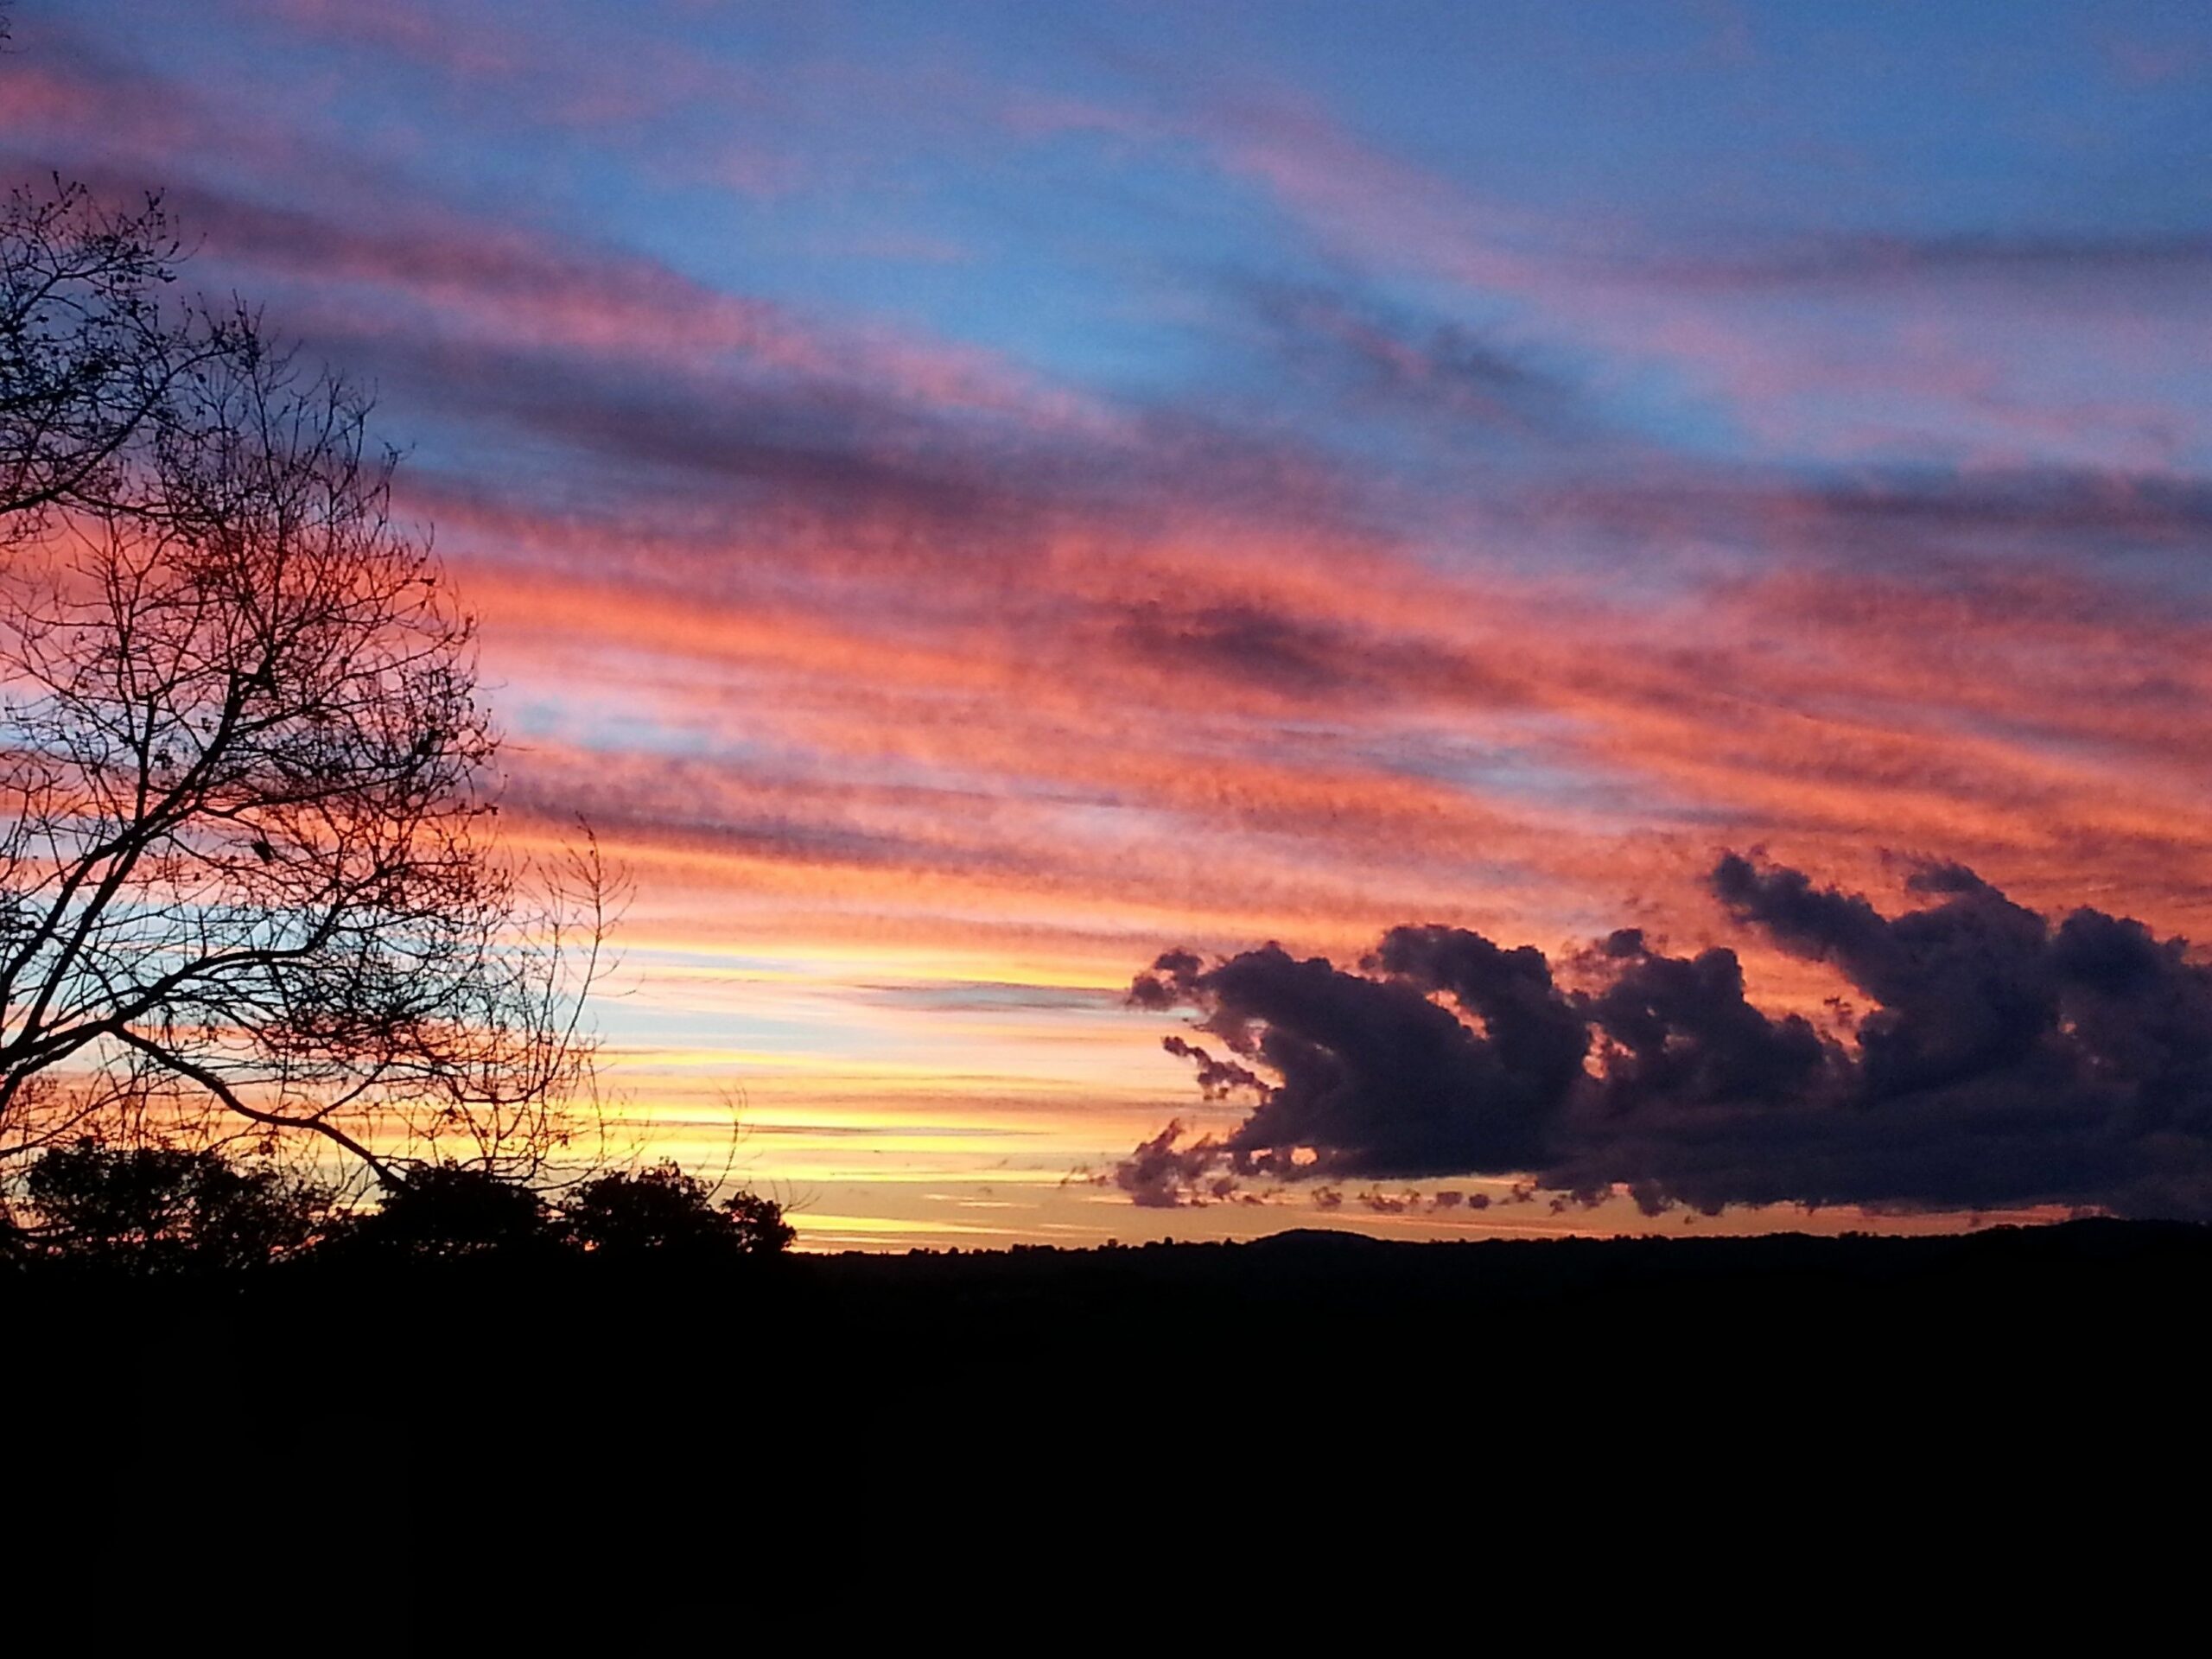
2004	1059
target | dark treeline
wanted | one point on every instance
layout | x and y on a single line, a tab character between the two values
1630	1310
167	1224
2097	1288
1302	1346
1501	1379
157	1210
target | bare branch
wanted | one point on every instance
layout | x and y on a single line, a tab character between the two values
247	787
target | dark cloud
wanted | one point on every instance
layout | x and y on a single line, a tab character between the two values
1536	1036
1679	1030
1965	987
660	807
1164	1174
1388	358
812	452
1242	642
1374	1078
1390	1203
1217	1079
1863	259
1901	518
2059	500
1157	989
2006	1059
1814	921
1301	659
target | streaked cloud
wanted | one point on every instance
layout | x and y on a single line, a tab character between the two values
1003	498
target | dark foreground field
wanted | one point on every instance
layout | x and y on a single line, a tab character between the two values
1878	1326
1309	1396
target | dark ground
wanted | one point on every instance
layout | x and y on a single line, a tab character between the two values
1294	1404
2093	1306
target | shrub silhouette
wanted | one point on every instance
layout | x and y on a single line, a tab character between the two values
163	1209
661	1211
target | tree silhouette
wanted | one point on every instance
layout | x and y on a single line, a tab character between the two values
246	786
450	1210
163	1209
663	1212
759	1223
91	360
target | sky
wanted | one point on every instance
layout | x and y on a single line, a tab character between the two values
968	499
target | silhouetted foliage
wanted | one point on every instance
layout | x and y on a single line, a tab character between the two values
759	1221
158	1208
663	1212
452	1210
163	1209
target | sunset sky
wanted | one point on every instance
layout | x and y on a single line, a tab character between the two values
968	497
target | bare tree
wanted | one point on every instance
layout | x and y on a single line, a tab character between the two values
92	360
246	787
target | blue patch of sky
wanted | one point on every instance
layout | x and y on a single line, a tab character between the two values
1087	255
1531	771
